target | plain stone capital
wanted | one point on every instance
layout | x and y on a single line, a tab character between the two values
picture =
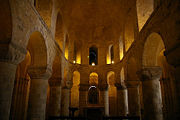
13	55
39	73
150	73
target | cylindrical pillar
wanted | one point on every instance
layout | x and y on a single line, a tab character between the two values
104	98
151	88
122	100
38	93
55	97
133	98
7	77
65	101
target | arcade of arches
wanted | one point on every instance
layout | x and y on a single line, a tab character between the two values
101	57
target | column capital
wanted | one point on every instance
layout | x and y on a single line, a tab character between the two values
120	86
84	87
132	83
39	72
103	87
55	81
12	53
150	73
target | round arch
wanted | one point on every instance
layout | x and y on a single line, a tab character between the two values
93	79
37	49
111	78
152	47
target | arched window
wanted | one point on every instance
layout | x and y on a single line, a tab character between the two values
110	55
66	47
93	56
121	48
93	95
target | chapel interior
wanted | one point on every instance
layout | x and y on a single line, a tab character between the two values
89	59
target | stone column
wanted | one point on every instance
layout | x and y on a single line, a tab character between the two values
65	101
65	98
55	97
83	95
133	98
122	100
38	92
150	77
104	98
7	76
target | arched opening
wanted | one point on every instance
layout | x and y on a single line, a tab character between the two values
144	10
21	85
121	48
153	56
152	48
93	95
129	32
5	26
77	52
59	33
66	47
36	57
112	92
93	92
37	50
93	56
54	88
93	79
44	7
75	91
110	55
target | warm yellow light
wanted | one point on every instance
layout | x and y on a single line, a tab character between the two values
74	61
93	64
112	62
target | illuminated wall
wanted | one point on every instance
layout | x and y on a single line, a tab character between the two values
144	10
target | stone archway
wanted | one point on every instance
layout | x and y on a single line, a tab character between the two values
39	75
150	76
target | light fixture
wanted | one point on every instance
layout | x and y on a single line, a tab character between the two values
93	64
112	62
74	61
